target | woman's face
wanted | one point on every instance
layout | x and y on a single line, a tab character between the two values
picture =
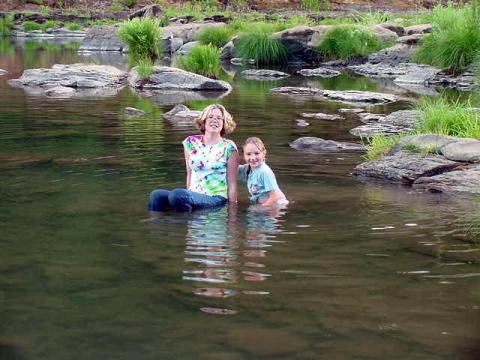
214	121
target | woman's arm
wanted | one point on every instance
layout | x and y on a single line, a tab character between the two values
232	166
273	197
189	170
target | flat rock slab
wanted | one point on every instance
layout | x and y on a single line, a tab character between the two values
182	115
457	181
321	145
360	97
350	97
263	74
320	72
374	129
74	76
169	78
405	167
424	142
462	150
404	118
322	116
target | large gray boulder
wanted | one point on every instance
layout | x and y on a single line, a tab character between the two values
320	145
457	181
169	78
74	75
405	167
102	38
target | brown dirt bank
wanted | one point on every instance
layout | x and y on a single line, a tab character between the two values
103	5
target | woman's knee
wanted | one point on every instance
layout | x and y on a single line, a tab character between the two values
158	200
180	200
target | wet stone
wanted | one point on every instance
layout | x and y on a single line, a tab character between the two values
458	181
3	72
322	116
182	115
320	72
425	142
360	97
462	150
353	110
302	123
318	144
131	111
263	74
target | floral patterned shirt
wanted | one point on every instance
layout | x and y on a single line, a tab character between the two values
208	164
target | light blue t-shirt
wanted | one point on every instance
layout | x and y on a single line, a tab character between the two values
259	182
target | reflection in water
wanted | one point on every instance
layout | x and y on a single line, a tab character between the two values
222	254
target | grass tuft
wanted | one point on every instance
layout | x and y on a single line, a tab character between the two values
144	68
30	26
142	36
446	117
203	60
345	42
6	24
454	42
217	36
261	47
379	145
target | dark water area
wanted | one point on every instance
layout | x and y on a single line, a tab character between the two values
348	270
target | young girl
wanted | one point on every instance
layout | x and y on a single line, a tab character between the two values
260	179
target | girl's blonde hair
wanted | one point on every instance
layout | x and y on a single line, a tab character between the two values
228	123
257	142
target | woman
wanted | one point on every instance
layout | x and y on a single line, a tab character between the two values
211	162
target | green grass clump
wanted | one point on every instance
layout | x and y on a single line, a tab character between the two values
454	41
30	26
142	36
262	47
345	42
6	24
377	17
311	5
49	24
217	36
203	60
379	145
73	26
144	68
446	117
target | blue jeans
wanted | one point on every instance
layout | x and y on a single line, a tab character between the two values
182	200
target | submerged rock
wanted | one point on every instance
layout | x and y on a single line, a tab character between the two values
263	74
318	144
320	72
60	92
182	115
169	78
322	116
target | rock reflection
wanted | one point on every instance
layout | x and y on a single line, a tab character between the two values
228	249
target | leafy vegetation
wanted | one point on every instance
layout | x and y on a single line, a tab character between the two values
448	117
203	60
73	26
312	5
30	26
345	42
144	68
49	24
142	36
261	47
454	41
6	24
217	36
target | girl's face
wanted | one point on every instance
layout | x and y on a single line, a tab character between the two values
214	121
253	155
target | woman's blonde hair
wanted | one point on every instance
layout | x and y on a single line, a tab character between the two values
257	142
228	123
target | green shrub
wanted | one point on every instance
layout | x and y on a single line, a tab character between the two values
455	38
144	68
261	47
345	42
217	36
142	36
30	26
203	60
312	5
6	24
49	24
444	117
379	145
73	26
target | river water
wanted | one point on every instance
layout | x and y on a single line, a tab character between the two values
349	270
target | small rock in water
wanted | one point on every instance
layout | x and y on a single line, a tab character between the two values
302	123
2	72
321	72
130	111
322	116
262	74
354	110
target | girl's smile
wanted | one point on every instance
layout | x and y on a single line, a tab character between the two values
214	121
253	155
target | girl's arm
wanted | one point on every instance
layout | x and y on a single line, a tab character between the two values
273	197
189	170
232	167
